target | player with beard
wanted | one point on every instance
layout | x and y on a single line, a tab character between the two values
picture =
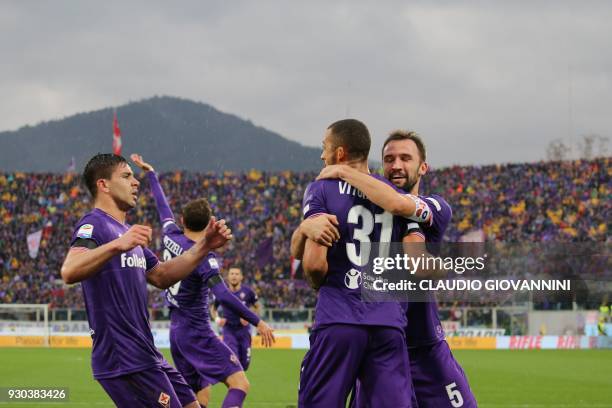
111	260
350	338
439	381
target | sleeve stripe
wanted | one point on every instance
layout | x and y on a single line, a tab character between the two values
418	233
156	265
79	249
315	215
170	221
435	202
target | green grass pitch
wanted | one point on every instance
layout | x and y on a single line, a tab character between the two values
499	378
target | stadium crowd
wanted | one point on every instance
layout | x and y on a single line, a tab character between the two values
535	202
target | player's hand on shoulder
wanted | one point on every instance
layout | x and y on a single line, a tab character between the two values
244	322
138	161
333	171
323	229
217	233
266	333
135	236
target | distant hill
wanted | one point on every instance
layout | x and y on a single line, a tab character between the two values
171	133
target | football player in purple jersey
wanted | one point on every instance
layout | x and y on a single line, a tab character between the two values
201	357
351	339
236	330
438	379
111	260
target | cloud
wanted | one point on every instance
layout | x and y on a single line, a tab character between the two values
481	82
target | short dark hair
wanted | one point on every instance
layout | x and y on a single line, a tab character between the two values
196	214
407	135
101	166
354	136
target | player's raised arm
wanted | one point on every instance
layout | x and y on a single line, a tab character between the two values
168	273
163	208
378	192
85	257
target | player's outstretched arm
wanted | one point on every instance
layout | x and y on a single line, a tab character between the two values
266	333
229	301
315	263
380	193
168	273
84	262
322	229
161	203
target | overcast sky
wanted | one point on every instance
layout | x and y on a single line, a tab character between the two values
481	82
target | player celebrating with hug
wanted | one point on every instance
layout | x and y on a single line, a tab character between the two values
351	339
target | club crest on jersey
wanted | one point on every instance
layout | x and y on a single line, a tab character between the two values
85	231
213	263
352	279
242	295
164	400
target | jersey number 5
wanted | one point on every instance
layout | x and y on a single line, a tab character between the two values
454	395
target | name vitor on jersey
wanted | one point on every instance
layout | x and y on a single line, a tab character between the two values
344	188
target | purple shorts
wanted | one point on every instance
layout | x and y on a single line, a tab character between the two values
239	341
342	353
162	387
438	379
203	359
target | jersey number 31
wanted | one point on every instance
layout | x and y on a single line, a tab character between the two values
360	213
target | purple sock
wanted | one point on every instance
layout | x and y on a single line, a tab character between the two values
234	398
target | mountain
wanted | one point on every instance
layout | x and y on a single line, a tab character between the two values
171	133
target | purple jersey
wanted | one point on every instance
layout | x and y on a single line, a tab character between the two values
116	302
360	222
247	297
187	299
424	325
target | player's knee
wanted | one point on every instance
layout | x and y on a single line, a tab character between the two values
239	380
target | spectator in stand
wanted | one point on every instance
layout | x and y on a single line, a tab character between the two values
535	202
